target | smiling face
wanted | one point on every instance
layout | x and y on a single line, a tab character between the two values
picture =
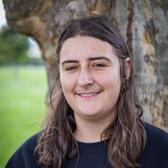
90	77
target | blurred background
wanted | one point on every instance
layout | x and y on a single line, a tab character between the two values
22	89
25	81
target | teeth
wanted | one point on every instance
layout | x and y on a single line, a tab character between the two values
88	94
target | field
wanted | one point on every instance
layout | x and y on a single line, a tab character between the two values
22	106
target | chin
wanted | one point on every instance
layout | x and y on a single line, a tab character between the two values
90	113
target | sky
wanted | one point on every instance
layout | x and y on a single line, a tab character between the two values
34	50
2	15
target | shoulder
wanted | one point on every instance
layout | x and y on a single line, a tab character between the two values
156	135
156	149
25	155
29	145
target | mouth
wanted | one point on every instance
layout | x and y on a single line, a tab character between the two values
89	94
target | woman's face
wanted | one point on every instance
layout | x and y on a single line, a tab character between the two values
90	77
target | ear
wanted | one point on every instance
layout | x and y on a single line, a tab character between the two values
128	67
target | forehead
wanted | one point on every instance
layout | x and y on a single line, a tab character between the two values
84	47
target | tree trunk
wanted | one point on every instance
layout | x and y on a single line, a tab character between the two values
143	23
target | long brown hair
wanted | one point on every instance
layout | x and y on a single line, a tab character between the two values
126	134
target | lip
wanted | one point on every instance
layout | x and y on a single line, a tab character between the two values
89	94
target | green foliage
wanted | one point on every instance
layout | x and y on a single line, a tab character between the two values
22	106
13	47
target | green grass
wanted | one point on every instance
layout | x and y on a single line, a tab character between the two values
22	107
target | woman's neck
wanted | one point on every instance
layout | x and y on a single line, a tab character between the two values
90	130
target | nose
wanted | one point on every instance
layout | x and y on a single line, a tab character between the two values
85	78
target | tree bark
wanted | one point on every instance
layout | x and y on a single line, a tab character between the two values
143	24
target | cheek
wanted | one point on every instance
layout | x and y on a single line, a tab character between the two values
67	83
112	87
109	79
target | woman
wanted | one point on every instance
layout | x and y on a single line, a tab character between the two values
95	122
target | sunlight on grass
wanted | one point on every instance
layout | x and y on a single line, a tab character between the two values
22	106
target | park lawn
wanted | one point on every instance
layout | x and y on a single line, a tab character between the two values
22	106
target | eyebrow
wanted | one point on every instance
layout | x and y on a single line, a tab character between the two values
89	59
69	61
99	58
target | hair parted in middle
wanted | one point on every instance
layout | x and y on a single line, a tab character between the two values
126	134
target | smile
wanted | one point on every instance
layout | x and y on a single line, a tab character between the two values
90	94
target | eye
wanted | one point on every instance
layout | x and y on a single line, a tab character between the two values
71	68
99	65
